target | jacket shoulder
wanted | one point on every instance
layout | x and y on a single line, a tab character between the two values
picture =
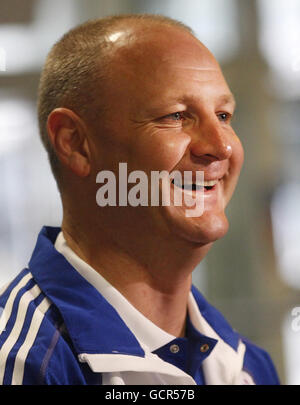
34	345
27	326
258	363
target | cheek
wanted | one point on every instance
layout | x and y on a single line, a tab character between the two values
161	150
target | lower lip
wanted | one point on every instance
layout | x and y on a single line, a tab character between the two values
210	195
206	191
211	190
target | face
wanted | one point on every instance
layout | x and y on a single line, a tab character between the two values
169	108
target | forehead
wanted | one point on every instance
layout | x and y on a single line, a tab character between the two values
161	48
162	64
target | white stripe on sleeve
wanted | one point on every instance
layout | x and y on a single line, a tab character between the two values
22	354
12	338
9	303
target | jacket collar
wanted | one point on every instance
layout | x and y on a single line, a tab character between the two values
87	315
215	320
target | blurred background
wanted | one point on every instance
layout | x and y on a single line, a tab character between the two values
253	274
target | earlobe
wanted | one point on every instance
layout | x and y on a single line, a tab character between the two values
68	137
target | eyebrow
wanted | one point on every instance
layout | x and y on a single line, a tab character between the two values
224	99
227	99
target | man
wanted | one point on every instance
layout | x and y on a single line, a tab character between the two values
107	299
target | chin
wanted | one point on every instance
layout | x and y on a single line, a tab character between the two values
203	230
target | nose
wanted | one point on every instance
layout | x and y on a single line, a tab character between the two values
211	141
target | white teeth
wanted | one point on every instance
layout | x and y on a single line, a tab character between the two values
209	183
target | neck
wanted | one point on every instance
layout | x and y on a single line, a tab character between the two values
154	281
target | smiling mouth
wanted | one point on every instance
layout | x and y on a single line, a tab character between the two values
207	185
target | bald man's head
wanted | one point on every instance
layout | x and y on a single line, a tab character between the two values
79	66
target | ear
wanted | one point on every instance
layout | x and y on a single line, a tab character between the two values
68	135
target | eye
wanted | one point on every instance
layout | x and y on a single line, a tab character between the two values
177	116
224	117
